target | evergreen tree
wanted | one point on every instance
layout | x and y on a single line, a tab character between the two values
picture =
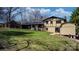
75	17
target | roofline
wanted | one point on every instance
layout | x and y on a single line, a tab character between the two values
33	23
53	17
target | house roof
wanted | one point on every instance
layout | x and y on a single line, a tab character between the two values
41	21
33	23
53	17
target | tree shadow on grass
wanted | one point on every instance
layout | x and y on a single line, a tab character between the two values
6	35
4	41
14	33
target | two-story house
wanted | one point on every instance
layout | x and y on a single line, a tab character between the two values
57	25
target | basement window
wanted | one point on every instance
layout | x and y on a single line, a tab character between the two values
46	28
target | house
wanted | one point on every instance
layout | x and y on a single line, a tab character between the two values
58	25
55	25
52	24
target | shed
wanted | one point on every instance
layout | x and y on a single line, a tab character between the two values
68	29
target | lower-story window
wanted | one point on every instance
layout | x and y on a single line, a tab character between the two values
57	29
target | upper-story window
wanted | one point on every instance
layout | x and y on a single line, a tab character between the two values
58	21
51	22
46	22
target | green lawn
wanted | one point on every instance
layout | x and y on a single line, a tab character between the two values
27	40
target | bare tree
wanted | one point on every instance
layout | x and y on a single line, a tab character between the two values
36	15
9	14
2	14
22	15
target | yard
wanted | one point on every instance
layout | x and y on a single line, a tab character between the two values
28	40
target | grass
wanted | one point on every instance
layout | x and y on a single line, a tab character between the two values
28	40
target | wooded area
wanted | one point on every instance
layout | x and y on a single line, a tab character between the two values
18	15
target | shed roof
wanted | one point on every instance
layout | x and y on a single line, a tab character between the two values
67	24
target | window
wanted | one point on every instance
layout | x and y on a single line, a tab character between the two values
51	22
58	21
46	28
46	22
57	29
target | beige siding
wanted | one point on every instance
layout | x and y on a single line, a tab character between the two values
58	25
47	24
51	29
62	21
68	29
51	24
54	22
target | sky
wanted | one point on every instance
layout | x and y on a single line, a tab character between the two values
53	11
48	12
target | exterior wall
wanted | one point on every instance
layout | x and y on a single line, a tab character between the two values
67	29
62	21
53	23
58	25
51	29
47	24
51	26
